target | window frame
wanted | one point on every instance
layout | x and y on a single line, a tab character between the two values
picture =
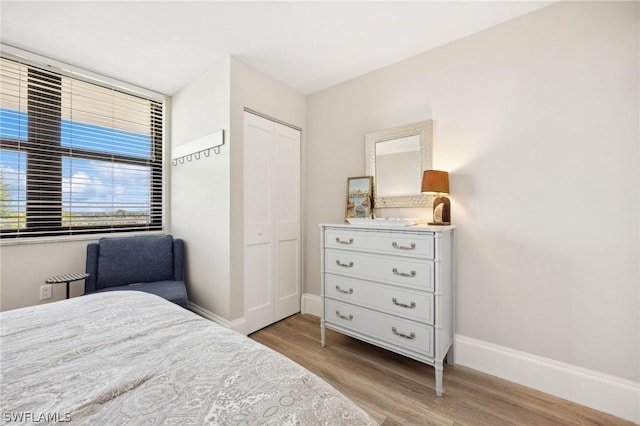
158	202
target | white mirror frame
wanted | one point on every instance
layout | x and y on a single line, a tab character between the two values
422	128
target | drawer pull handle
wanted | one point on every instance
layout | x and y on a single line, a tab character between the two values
344	265
410	336
402	274
339	241
350	291
410	306
348	318
399	247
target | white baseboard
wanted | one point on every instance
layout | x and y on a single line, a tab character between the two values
311	304
239	325
593	389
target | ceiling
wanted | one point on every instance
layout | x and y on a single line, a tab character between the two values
163	45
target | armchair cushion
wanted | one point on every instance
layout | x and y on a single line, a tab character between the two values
127	260
173	291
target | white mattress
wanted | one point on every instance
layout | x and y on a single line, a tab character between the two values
129	357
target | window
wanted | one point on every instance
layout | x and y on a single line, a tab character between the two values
76	157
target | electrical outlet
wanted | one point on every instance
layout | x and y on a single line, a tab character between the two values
46	291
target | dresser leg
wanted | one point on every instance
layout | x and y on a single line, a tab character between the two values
439	371
322	333
451	356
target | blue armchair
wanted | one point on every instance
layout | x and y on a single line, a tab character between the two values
153	264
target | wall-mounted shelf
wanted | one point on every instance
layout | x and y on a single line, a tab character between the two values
197	148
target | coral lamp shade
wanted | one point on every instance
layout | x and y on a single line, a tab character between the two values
435	182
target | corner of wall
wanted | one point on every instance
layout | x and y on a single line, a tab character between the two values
603	392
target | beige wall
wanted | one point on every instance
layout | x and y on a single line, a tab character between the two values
206	195
261	93
200	192
25	267
537	122
206	205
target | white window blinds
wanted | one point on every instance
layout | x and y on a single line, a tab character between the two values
76	157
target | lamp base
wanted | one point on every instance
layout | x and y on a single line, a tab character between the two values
441	211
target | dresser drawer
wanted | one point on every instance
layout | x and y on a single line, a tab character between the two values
414	273
398	332
411	304
395	243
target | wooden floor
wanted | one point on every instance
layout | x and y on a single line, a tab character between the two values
396	390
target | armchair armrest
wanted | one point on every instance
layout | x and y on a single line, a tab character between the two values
178	259
92	267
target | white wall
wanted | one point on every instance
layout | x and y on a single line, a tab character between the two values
206	206
206	195
200	189
254	90
25	267
537	122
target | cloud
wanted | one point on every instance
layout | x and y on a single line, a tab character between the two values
104	186
81	183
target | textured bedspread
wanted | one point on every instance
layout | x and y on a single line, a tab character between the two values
128	357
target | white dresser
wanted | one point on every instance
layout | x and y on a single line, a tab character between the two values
391	287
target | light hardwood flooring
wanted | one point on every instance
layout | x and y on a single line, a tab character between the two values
396	390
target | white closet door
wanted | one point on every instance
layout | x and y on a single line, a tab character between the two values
287	220
258	207
272	221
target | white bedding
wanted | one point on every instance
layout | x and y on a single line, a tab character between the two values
129	357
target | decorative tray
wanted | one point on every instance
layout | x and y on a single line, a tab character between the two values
391	223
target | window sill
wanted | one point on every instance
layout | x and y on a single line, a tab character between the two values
69	238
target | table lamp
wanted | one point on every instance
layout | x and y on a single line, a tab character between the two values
437	182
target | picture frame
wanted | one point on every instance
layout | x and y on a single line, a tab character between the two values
359	197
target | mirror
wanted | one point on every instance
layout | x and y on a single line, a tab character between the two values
396	158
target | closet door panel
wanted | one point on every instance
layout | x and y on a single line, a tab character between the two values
272	221
258	229
258	274
287	181
258	180
287	223
287	279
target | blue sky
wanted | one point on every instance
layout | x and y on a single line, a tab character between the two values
104	185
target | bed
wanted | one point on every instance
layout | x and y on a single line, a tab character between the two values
129	357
